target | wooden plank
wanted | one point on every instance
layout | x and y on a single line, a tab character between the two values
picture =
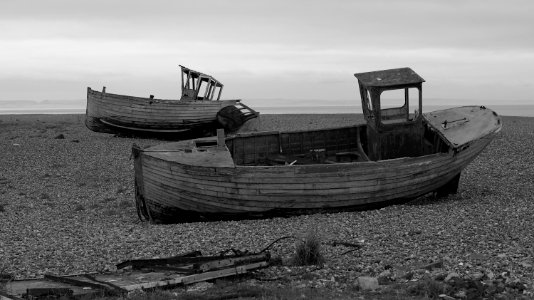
310	182
197	277
202	204
49	293
183	261
280	196
6	296
203	201
138	280
250	174
188	111
388	78
223	273
73	280
232	261
17	288
171	115
145	129
145	113
238	179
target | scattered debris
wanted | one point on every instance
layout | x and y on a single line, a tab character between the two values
451	276
139	274
386	277
354	246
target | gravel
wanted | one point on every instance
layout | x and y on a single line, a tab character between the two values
67	206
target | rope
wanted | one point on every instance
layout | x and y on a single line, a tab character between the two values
276	241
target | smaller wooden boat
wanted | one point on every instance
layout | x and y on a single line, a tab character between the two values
199	107
396	156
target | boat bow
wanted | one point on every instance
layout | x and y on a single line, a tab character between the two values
461	126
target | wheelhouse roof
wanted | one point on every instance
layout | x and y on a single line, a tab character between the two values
389	78
201	76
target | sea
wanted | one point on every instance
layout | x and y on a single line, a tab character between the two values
503	110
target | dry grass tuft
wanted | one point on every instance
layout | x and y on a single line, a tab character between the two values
5	277
308	250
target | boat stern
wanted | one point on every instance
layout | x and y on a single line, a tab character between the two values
92	115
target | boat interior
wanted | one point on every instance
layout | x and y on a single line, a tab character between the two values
389	132
324	146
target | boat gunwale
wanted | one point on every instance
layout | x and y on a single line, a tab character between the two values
157	100
401	160
146	129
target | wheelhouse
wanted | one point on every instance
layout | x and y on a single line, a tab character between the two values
392	131
199	86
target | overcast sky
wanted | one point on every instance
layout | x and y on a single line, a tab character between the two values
305	51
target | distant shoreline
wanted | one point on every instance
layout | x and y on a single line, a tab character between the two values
503	110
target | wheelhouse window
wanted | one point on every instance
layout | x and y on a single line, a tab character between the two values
399	105
367	105
199	86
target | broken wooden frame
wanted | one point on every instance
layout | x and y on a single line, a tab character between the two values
192	85
138	274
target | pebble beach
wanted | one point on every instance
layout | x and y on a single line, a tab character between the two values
67	206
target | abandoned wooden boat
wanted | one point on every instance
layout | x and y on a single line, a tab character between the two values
395	156
199	107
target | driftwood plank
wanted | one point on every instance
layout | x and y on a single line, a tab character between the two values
6	296
223	263
223	273
197	277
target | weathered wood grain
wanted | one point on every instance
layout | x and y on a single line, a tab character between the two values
108	112
177	181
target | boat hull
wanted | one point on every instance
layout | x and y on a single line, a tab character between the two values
112	113
172	189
